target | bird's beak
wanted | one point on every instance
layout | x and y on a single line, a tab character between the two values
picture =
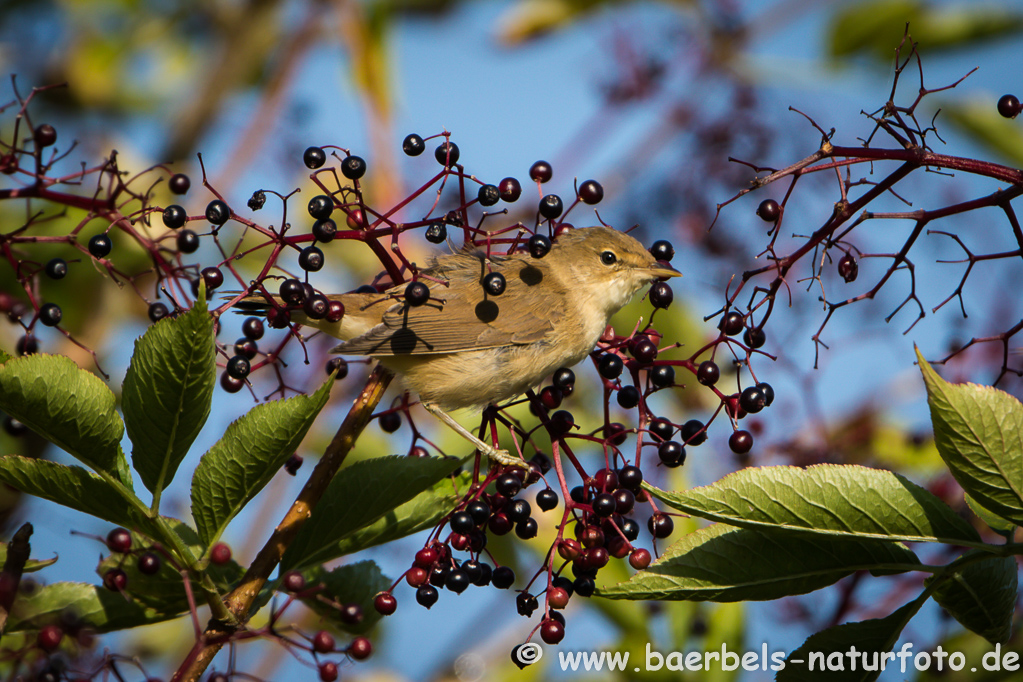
663	271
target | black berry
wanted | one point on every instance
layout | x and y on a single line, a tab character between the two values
100	245
562	422
321	207
158	311
462	523
662	250
660	525
217	212
1009	106
610	366
174	216
314	157
662	376
426	595
661	429
390	421
213	277
310	259
253	328
324	230
508	485
525	604
257	201
488	195
644	350
503	577
539	245
546	499
50	314
630	476
671	454
494	283
693	433
628	397
149	564
188	241
238	367
417	293
604	504
446	154
457	581
316	307
752	399
413	145
353	167
768	393
437	232
755	338
661	295
56	268
45	135
479	511
551	206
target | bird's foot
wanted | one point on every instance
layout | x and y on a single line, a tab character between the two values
504	458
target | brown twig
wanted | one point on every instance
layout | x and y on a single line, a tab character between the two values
240	600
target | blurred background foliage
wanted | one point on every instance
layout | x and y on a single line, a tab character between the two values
649	98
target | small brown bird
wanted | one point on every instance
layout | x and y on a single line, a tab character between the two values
465	348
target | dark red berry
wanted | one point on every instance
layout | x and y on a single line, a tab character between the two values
360	649
390	421
253	328
848	268
551	397
708	373
755	338
551	206
335	310
353	167
1009	106
328	671
45	135
187	241
644	350
510	190
768	393
294	581
661	295
413	145
49	637
119	540
740	442
660	525
230	384
541	171
174	216
220	554
417	293
539	245
314	157
591	192
769	210
625	500
179	183
639	559
731	324
323	642
293	464
115	580
149	563
217	212
446	154
385	603
551	631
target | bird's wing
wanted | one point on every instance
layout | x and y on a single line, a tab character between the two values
460	317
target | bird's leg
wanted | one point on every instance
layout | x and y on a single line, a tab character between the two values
502	457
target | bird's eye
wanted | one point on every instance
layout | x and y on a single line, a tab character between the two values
608	258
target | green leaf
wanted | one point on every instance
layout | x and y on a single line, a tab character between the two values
167	393
828	499
421	512
995	522
723	563
874	26
979	434
74	487
827	651
354	583
71	408
359	495
99	608
982	597
251	451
